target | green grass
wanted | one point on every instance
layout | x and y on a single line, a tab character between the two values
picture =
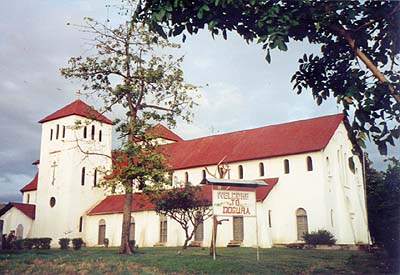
193	261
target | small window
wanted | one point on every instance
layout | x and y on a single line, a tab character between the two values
286	164
27	198
240	171
332	217
52	202
100	135
83	176
261	169
93	132
203	174
186	177
352	165
51	134
63	131
309	164
80	224
57	131
170	177
269	219
95	178
85	132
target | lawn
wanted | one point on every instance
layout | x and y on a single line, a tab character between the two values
193	261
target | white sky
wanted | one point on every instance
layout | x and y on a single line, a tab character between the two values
240	89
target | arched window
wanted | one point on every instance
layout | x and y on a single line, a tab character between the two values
328	166
269	219
309	164
85	132
163	229
80	224
302	223
95	178
132	229
51	134
203	174
102	231
57	131
20	231
186	177
286	166
63	132
240	171
332	217
52	202
93	132
261	169
100	135
199	234
83	176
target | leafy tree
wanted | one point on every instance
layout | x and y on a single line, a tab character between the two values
186	205
359	40
383	198
124	70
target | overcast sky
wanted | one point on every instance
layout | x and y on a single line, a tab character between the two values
240	89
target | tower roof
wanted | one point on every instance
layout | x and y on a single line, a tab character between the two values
32	185
80	108
163	132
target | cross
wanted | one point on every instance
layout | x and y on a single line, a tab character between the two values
78	94
54	172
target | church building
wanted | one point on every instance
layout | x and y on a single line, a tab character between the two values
312	172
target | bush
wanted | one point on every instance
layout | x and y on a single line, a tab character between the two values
321	236
77	243
17	244
64	243
43	243
132	246
28	244
106	242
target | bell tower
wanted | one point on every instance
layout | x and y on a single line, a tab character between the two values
75	152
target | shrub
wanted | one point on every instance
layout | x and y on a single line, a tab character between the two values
44	243
77	243
28	244
321	236
132	246
64	243
17	244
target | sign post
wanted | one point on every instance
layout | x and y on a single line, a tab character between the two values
227	202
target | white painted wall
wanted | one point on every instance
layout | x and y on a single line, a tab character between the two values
29	197
12	218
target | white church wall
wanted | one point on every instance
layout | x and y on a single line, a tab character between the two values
13	218
72	199
345	190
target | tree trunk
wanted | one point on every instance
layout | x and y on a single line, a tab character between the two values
126	221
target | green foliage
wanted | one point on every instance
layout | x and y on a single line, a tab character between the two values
320	236
359	47
28	243
64	243
77	243
185	204
383	200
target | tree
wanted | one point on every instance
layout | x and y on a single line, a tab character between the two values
383	199
186	205
360	45
125	71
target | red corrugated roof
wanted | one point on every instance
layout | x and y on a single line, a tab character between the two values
32	185
163	132
140	202
270	141
78	107
27	209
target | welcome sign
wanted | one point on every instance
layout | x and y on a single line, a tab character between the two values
232	202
